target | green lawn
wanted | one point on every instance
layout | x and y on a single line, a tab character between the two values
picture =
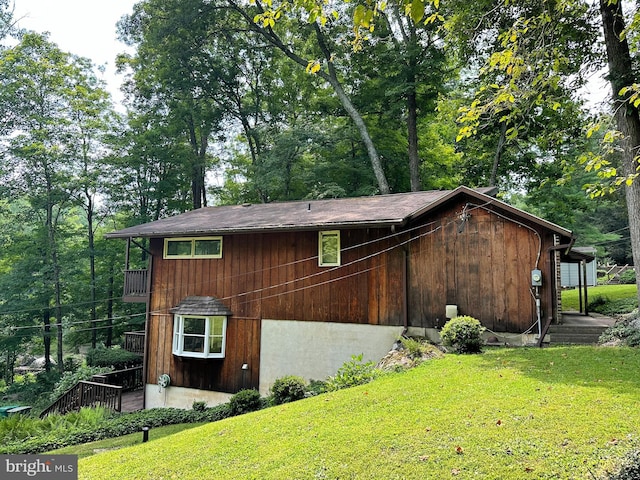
561	412
571	301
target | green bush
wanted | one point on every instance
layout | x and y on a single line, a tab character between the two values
116	358
69	379
287	389
415	348
628	277
33	389
245	401
629	468
463	334
316	387
199	406
625	330
352	373
57	431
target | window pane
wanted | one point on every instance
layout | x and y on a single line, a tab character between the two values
194	326
179	248
208	247
216	325
329	248
193	344
215	344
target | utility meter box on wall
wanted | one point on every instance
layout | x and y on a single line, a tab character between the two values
536	278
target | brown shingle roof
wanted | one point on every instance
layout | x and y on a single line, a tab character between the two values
206	306
374	211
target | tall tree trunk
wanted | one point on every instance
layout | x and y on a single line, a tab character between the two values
498	156
626	114
92	270
352	111
46	338
55	276
332	78
412	136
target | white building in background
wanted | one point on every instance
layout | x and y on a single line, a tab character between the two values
570	272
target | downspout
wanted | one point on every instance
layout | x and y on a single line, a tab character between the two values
147	319
551	250
405	291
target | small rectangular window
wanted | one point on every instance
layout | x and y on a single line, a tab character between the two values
203	247
329	248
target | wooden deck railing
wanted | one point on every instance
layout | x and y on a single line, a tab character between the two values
128	379
87	394
134	342
135	285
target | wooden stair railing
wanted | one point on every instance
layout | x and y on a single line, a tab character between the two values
86	394
134	342
129	378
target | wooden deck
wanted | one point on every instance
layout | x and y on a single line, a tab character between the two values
132	401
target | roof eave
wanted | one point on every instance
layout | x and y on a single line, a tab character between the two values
489	200
264	229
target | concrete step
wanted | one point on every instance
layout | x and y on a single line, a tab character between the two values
575	334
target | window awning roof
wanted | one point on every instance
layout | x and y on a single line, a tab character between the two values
206	306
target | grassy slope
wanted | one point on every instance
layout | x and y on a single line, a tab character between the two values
570	298
509	413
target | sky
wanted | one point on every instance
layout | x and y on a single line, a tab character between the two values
86	28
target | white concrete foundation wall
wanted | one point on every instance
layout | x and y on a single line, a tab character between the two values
180	397
504	338
316	350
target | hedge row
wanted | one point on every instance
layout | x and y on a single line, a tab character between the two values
121	424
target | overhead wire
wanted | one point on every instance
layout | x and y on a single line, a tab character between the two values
443	224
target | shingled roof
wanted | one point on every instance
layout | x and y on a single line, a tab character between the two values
359	212
195	305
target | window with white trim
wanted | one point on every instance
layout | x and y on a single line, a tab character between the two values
329	248
195	247
199	336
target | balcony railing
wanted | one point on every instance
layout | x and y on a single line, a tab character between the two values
135	285
129	378
87	394
134	342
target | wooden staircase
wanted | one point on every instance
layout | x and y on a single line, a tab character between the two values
104	390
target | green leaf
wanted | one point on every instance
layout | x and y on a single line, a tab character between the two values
417	10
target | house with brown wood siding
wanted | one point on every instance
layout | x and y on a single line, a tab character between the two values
238	296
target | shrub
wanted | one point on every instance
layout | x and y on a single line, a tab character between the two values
597	302
626	330
33	389
628	277
287	389
57	431
629	468
316	387
352	373
245	401
69	379
463	334
116	358
415	348
199	406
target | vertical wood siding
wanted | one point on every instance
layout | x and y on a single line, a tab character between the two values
483	266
